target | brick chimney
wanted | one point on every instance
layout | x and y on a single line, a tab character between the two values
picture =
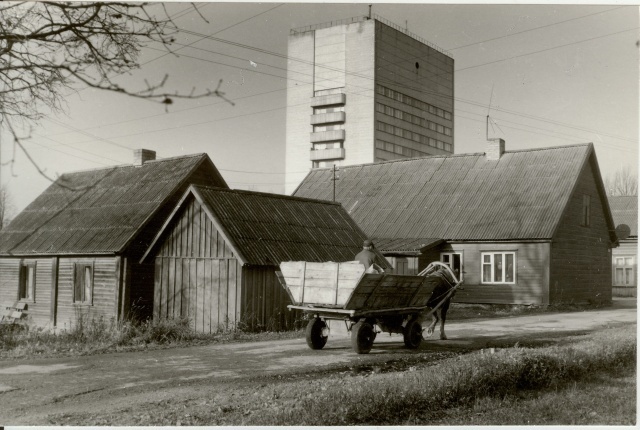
141	156
495	149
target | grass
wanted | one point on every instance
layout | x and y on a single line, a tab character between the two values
96	336
588	379
464	311
599	400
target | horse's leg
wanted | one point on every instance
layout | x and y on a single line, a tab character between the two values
434	321
443	317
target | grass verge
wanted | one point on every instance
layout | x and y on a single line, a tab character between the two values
563	384
98	336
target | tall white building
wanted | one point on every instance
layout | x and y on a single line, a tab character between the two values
364	90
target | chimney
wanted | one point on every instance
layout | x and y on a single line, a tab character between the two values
495	149
141	156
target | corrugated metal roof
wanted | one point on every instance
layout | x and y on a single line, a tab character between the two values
386	245
458	197
98	211
625	211
267	229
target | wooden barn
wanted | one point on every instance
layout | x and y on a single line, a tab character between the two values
625	257
75	250
217	255
521	227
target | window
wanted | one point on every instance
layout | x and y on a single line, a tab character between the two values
498	267
27	290
623	270
586	210
83	284
454	261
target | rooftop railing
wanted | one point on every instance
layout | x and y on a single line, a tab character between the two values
366	18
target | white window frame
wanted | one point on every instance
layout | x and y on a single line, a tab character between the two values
624	267
491	263
443	255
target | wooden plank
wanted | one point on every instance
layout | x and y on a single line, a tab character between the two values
199	294
215	293
177	290
302	281
193	293
184	289
207	285
232	288
157	289
196	231
223	316
171	278
207	238
164	299
240	275
214	244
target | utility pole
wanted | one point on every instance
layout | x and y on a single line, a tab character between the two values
335	168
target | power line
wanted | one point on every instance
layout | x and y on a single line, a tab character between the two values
534	29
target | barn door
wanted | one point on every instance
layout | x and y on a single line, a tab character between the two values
199	289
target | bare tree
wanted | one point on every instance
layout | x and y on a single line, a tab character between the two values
48	48
624	182
6	207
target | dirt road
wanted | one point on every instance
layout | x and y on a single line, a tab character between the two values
33	390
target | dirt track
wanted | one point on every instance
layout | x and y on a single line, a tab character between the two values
33	390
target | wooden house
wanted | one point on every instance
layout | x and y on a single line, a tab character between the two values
75	250
521	227
217	255
625	257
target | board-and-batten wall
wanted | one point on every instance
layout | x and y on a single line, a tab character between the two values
196	274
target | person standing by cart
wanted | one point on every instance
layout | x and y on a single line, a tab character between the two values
367	257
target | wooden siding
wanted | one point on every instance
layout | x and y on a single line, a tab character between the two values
105	281
9	279
532	273
580	256
628	247
204	290
196	274
264	301
193	235
38	310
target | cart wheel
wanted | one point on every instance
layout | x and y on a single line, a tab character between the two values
362	336
316	339
412	334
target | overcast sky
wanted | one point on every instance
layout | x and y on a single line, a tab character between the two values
547	75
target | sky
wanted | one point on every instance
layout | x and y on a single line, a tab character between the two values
547	75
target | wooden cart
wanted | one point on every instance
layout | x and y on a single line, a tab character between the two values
368	302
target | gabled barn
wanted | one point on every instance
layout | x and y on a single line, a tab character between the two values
75	250
529	227
625	257
217	255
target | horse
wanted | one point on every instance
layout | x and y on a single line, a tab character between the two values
440	299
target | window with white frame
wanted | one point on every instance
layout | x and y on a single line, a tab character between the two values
498	267
83	283
623	270
454	261
27	290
